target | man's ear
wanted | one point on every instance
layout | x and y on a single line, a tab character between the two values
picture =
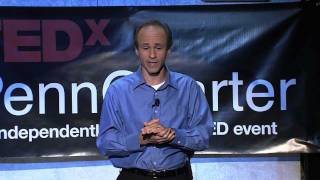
136	51
169	51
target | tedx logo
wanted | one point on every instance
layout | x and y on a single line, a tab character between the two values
29	40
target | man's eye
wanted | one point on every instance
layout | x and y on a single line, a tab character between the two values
145	47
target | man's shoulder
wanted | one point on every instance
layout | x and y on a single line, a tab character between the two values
181	78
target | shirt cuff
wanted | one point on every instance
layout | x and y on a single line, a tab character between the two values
133	142
180	138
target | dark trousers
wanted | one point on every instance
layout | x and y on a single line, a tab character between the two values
131	176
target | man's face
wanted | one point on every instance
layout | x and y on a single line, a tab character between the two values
152	49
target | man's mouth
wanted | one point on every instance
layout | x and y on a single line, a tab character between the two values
152	63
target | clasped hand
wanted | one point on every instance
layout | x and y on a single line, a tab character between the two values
154	132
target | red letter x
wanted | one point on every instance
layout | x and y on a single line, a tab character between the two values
97	32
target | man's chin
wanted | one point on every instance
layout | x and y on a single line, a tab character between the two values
153	71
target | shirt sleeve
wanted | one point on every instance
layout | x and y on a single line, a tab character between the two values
200	123
112	139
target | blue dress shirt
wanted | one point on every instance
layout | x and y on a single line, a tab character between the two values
129	102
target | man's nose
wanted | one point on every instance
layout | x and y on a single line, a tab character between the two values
152	53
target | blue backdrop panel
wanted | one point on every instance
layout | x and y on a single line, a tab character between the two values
49	3
103	3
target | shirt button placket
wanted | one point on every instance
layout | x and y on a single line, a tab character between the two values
156	115
156	109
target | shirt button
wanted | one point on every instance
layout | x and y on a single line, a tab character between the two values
154	163
179	142
156	111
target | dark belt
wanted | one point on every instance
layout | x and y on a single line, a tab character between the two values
158	174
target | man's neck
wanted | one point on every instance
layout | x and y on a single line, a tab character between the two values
154	79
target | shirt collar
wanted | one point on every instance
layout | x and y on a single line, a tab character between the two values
139	80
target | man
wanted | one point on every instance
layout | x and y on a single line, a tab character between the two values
154	119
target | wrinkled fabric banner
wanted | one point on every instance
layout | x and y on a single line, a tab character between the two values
257	66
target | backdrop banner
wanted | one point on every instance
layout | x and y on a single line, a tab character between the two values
256	64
